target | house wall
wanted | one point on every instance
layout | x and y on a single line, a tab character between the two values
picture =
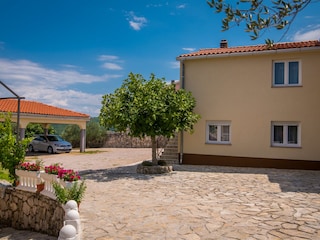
239	89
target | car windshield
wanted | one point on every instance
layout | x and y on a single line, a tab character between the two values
54	138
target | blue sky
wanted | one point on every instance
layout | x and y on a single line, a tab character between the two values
68	53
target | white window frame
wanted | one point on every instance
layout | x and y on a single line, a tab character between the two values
286	73
219	125
285	142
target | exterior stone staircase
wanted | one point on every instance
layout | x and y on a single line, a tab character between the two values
170	151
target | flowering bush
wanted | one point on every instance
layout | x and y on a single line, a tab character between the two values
53	169
68	175
29	166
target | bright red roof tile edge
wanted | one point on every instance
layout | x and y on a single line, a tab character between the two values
255	48
31	107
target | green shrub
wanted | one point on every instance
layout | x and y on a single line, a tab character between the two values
162	163
76	192
147	163
12	151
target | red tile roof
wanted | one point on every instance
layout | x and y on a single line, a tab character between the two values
256	48
11	105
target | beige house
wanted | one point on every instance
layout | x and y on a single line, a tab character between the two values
259	105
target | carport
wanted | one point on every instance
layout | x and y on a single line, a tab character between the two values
36	112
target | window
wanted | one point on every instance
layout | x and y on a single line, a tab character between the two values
218	132
286	73
285	134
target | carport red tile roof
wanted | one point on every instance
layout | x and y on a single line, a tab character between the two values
256	48
31	107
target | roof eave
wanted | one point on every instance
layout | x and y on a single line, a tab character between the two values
34	115
238	54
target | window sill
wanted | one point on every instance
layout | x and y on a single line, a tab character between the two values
218	143
286	146
286	85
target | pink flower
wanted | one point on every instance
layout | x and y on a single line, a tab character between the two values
68	175
29	166
53	169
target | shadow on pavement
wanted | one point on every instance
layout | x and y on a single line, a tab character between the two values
111	174
8	233
289	180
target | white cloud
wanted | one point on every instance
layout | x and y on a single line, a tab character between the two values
312	34
157	5
112	66
189	49
181	6
136	22
175	64
26	71
53	87
111	62
108	58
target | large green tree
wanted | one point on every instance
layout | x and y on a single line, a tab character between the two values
148	108
259	15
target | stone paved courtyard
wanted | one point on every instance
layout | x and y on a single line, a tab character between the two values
193	202
197	202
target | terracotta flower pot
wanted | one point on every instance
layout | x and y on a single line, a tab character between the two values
40	187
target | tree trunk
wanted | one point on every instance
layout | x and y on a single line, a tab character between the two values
154	150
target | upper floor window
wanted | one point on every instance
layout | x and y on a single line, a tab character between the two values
286	134
218	132
286	73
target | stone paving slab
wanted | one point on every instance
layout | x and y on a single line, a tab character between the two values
194	202
202	202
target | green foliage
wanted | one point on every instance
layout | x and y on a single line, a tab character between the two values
162	163
72	134
60	192
12	152
76	192
95	134
4	174
58	128
146	163
36	128
148	108
258	16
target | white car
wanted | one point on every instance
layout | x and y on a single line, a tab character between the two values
49	143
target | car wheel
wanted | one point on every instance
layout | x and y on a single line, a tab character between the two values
50	150
31	148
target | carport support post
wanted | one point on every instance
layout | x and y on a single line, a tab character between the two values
83	140
22	133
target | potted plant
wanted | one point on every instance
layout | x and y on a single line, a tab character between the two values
51	175
29	173
30	166
75	192
68	176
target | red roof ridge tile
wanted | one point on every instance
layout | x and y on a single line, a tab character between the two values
33	107
253	48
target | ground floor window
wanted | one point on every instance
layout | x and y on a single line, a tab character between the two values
218	132
285	134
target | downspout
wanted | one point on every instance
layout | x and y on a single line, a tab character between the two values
181	133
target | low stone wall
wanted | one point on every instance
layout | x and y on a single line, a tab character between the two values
123	140
25	210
